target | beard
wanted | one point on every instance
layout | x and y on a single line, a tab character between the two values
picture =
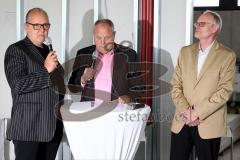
108	47
196	35
202	35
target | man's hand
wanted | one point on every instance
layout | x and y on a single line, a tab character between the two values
194	123
186	116
88	74
189	117
124	99
51	61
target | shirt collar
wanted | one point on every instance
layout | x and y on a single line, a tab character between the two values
207	49
106	54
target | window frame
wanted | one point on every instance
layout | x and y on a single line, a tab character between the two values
223	5
208	5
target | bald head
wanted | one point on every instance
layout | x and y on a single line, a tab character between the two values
106	22
37	26
35	11
104	35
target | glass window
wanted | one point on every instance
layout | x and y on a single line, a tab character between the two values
238	2
206	3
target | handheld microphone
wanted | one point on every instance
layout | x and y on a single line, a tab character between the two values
48	42
94	57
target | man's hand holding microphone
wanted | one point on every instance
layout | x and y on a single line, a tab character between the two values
88	74
51	61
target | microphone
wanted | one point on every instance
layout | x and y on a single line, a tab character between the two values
94	57
48	42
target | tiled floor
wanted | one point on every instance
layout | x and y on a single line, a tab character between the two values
236	153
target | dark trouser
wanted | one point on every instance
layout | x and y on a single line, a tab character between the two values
27	150
182	144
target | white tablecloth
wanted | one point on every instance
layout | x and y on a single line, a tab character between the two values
106	135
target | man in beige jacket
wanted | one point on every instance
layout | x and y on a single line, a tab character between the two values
201	85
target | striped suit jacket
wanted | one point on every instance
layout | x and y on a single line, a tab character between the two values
125	78
35	93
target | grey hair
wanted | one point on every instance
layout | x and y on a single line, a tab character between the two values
217	18
39	10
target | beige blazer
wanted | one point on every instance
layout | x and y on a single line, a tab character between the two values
208	92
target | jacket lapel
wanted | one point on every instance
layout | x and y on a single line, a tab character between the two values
118	60
195	61
33	51
210	58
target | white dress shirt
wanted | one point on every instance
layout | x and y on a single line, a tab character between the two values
202	57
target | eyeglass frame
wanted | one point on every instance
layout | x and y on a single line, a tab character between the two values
202	24
40	25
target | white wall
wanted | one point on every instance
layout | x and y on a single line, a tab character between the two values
82	20
174	27
81	23
121	13
7	36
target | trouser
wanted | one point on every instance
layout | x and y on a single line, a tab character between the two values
28	150
182	144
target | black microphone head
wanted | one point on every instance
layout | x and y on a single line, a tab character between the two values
48	42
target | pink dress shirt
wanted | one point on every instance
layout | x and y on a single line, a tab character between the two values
103	77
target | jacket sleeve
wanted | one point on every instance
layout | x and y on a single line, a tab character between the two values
74	83
18	77
223	91
178	97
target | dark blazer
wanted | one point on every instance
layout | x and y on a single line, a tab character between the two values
35	93
125	77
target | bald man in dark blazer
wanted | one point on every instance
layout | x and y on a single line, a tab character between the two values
122	75
121	85
37	87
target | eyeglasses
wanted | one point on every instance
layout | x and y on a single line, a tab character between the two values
37	26
202	24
